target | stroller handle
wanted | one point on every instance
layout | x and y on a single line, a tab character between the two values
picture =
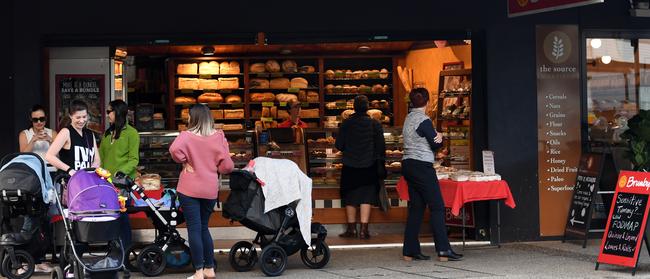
122	180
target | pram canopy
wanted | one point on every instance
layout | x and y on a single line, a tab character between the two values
245	204
89	195
25	174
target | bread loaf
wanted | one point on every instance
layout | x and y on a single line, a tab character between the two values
302	96
187	69
274	111
280	83
286	97
312	97
184	100
185	114
224	66
229	83
217	113
377	88
210	98
266	112
259	83
289	66
309	113
329	74
233	99
299	83
232	127
207	84
188	83
233	113
306	69
262	97
375	114
383	73
257	68
346	113
233	68
209	68
272	66
329	88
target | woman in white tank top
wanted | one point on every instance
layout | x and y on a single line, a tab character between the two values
37	138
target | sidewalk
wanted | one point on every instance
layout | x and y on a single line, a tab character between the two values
548	259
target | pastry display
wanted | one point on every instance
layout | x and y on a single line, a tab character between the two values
209	68
280	83
233	99
289	66
208	84
259	83
229	83
210	98
262	97
299	83
257	68
184	100
272	66
188	83
187	69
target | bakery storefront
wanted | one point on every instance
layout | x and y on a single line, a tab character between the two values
247	87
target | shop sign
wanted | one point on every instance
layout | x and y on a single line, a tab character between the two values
558	123
88	88
584	190
526	7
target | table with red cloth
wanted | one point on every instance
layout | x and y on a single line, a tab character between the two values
456	193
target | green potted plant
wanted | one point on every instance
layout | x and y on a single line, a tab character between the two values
638	139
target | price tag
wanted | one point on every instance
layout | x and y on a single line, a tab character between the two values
304	105
488	162
237	105
276	75
187	91
262	75
293	90
283	104
267	104
266	119
215	105
205	76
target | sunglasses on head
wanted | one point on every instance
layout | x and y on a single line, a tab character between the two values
39	119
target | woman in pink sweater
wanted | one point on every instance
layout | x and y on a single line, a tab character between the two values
204	153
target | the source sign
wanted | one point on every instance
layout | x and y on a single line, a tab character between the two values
526	7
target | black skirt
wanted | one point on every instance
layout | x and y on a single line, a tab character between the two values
359	186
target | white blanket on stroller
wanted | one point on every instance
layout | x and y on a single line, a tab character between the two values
284	183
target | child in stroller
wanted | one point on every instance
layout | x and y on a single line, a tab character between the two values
278	231
25	189
91	223
168	244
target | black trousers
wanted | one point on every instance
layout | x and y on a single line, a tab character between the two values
424	191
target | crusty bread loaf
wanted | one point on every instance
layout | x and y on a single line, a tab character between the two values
259	83
229	83
187	69
282	97
346	113
272	66
210	98
289	66
312	97
232	127
224	66
208	84
209	68
309	113
184	100
257	68
233	99
375	114
233	113
280	83
217	113
299	83
262	97
233	68
188	83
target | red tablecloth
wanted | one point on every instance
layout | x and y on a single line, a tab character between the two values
456	194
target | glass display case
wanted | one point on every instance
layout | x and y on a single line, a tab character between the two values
394	151
155	157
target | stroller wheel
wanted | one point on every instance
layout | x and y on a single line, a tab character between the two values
273	260
242	256
23	268
151	261
317	255
131	260
57	273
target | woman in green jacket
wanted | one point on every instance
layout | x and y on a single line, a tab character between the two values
119	151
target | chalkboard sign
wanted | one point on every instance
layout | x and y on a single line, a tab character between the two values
88	88
584	190
627	220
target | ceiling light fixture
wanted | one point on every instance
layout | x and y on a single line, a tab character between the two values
606	59
207	50
596	43
363	48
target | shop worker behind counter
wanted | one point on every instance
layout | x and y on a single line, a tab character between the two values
420	142
293	108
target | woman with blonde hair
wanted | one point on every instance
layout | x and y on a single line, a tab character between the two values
204	153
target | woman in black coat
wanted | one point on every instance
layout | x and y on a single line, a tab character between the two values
361	139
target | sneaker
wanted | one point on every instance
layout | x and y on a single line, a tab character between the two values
43	268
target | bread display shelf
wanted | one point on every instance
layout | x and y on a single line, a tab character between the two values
325	160
454	94
359	79
289	90
191	91
275	103
354	94
281	74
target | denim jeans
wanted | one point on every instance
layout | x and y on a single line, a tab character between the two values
197	214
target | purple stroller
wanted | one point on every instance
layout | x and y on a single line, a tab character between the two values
91	221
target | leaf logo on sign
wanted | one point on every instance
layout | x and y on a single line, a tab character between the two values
558	48
622	181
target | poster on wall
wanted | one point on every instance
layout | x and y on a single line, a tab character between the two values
526	7
88	88
558	123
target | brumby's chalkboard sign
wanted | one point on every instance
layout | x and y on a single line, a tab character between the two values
584	190
626	223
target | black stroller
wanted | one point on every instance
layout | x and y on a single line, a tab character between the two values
21	188
278	231
168	244
90	209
